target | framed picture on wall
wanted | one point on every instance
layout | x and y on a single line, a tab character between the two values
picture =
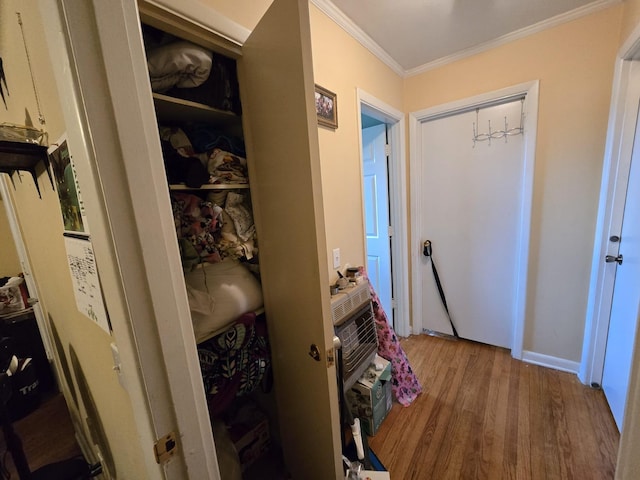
73	214
326	107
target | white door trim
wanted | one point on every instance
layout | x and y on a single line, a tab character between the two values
100	67
530	89
398	204
615	175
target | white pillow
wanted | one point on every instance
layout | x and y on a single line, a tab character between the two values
181	64
233	290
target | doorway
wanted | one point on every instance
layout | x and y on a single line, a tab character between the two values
384	206
479	228
44	414
612	313
23	260
376	207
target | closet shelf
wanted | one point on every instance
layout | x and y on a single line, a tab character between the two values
208	186
174	110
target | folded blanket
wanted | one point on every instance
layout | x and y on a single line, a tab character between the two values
224	167
178	64
218	294
235	362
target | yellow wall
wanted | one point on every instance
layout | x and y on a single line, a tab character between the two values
83	347
574	63
9	261
630	19
342	65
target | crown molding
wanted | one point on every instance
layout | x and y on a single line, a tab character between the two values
518	34
334	13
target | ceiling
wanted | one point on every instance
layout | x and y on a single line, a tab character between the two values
414	34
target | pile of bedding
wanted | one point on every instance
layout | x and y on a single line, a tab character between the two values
212	229
221	224
233	346
183	69
199	155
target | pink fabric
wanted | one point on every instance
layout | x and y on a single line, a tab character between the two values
404	383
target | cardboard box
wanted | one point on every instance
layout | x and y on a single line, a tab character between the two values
13	296
250	436
371	475
370	398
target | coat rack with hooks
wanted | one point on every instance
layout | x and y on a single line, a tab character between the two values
496	134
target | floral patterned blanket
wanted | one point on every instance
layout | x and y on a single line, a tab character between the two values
404	383
235	362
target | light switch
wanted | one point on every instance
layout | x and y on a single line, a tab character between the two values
336	258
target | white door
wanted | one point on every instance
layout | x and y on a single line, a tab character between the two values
471	211
623	320
376	205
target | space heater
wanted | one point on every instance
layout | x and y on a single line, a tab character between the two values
355	326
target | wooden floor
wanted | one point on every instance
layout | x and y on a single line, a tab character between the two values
47	436
484	415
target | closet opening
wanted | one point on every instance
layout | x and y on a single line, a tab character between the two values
199	114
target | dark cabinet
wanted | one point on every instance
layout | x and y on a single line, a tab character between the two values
24	337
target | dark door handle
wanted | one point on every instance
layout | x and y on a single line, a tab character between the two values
611	259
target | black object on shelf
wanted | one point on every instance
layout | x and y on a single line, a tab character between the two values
23	156
26	342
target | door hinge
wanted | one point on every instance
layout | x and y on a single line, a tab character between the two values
387	149
390	231
165	448
331	357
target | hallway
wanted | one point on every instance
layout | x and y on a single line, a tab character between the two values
484	415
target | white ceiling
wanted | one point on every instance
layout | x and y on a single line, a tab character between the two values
415	34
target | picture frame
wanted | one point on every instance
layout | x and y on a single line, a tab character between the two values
64	172
326	107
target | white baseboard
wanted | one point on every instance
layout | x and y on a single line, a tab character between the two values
550	362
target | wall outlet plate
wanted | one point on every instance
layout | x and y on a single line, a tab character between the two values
336	258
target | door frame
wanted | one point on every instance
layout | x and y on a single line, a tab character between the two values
615	176
530	90
397	174
100	69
